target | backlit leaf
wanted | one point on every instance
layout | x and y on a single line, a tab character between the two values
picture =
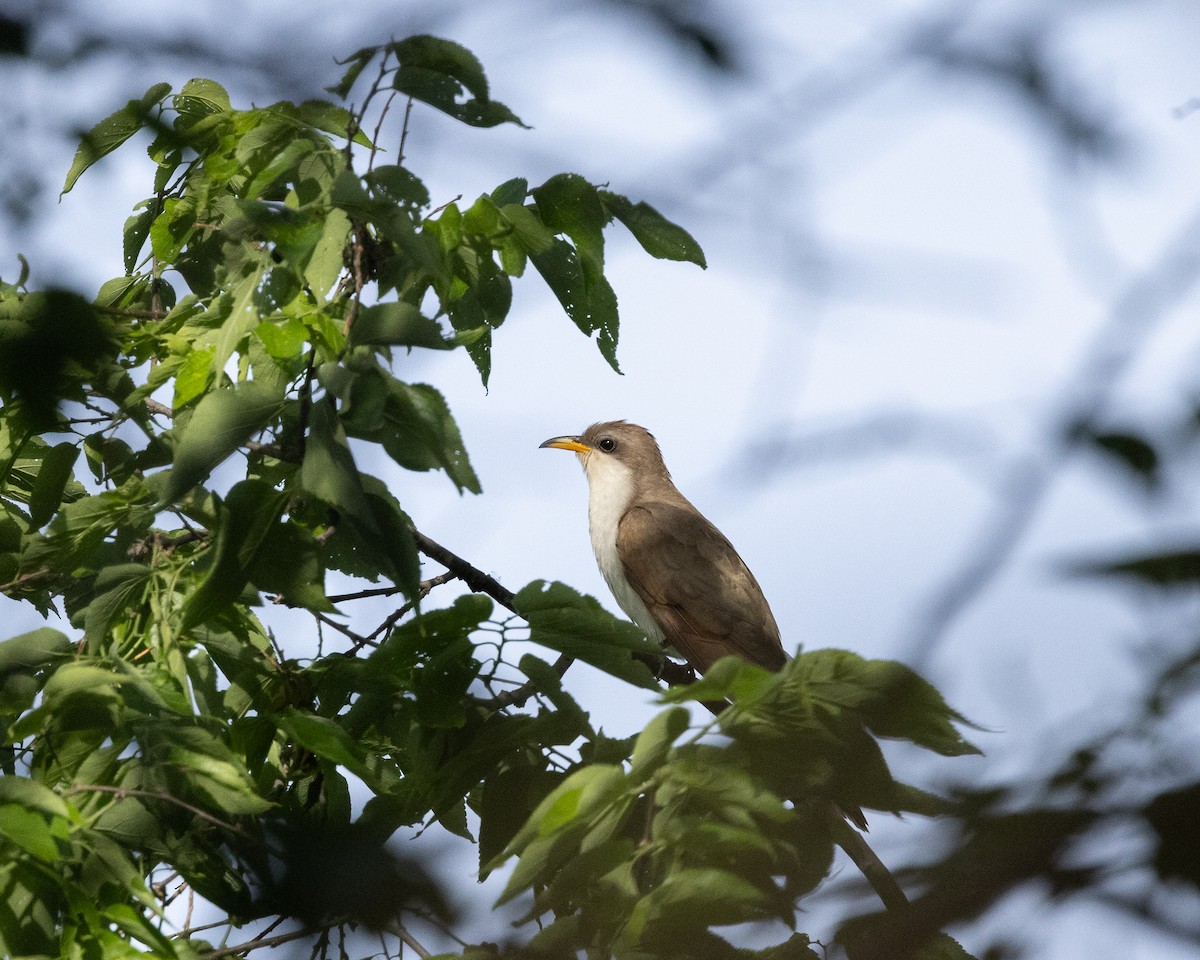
658	236
571	623
447	76
56	469
113	131
222	422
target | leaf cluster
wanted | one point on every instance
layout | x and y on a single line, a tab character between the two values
645	858
180	457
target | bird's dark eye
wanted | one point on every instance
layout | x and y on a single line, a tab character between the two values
607	444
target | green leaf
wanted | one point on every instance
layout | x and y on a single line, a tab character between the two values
655	742
904	705
357	60
222	422
396	324
192	379
422	434
288	563
395	547
241	318
399	186
113	131
200	98
691	899
283	339
73	678
506	800
567	203
30	831
326	739
590	303
117	588
574	624
328	471
528	231
32	795
442	74
137	229
730	678
56	469
326	116
585	792
658	236
280	166
224	785
549	685
108	458
242	522
35	649
511	191
172	228
326	261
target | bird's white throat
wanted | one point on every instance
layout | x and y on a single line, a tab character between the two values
610	488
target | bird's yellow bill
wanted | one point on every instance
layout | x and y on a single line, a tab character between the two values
567	443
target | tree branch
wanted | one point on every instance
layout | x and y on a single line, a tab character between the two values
472	576
261	942
401	931
881	879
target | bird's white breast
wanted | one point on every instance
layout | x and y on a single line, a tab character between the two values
610	488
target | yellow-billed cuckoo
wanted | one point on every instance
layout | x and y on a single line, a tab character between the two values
680	579
674	573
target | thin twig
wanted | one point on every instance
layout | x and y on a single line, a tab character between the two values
422	591
379	126
200	927
472	576
881	879
364	594
480	582
260	942
518	695
401	931
122	792
357	639
404	130
441	207
23	579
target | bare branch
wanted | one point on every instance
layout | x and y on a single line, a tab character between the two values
260	942
364	594
401	931
472	576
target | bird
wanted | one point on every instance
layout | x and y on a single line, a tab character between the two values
669	568
680	579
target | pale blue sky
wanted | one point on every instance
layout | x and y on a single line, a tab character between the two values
885	239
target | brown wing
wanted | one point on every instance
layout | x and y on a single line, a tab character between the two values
697	587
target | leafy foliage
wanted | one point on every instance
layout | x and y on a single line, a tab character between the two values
221	393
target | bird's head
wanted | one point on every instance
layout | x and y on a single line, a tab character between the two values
614	444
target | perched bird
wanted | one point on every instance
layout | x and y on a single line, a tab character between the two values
672	572
680	579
